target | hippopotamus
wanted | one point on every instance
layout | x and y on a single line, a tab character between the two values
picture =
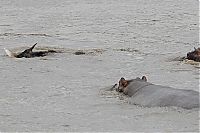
147	94
28	53
194	55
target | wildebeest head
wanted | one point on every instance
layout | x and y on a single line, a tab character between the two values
26	53
124	83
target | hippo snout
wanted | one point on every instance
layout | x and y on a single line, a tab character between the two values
119	89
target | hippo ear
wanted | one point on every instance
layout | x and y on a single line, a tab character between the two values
144	78
122	79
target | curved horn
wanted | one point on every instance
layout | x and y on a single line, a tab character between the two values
32	47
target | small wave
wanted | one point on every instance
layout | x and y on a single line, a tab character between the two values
4	25
191	62
127	50
186	61
108	93
25	34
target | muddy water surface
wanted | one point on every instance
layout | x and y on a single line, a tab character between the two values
63	92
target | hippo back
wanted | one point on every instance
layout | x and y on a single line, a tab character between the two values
134	86
151	95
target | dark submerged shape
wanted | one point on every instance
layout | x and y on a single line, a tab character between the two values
28	53
149	95
194	55
79	53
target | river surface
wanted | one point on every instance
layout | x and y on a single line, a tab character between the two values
63	92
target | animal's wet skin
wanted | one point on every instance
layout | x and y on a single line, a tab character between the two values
29	53
151	95
194	55
79	53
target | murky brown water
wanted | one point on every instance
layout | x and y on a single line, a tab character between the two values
61	92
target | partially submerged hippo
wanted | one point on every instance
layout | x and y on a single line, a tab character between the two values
150	95
28	53
194	55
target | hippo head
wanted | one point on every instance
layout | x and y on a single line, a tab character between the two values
194	55
124	83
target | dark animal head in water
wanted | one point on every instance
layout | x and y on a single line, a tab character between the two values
29	53
124	83
194	55
26	53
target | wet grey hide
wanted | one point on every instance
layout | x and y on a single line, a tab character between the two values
150	95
